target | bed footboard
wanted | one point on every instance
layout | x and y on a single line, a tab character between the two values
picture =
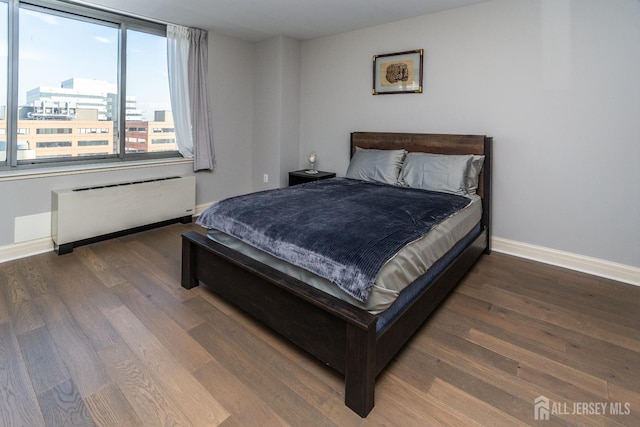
335	332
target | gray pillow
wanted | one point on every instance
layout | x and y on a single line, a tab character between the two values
436	172
474	173
376	165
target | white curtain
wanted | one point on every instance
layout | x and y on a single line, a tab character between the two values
203	157
187	65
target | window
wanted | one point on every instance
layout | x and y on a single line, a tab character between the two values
147	56
78	71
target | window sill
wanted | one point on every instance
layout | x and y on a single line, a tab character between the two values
88	168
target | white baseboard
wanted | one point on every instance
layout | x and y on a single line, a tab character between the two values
25	249
595	266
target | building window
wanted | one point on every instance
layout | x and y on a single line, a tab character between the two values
92	143
163	141
164	130
53	144
49	131
56	91
93	130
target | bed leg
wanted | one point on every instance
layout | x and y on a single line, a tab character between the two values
360	374
188	279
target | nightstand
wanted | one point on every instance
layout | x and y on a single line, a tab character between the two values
301	176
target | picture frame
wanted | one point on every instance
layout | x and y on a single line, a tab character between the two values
399	72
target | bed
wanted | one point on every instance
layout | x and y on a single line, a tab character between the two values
354	341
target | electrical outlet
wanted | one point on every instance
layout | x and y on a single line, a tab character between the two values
265	177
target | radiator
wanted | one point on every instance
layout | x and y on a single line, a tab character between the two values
85	215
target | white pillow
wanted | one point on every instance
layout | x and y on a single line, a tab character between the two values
376	165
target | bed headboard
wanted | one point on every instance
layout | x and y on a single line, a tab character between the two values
437	144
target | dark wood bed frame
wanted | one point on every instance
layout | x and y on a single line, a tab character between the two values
337	333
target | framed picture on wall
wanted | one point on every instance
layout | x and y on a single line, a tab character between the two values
399	72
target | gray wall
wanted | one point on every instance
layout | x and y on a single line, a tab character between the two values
276	111
555	82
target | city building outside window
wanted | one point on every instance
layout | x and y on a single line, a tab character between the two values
59	75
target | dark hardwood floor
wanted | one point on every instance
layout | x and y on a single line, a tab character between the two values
106	336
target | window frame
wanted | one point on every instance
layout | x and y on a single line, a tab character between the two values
66	9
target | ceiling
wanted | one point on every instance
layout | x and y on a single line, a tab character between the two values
255	20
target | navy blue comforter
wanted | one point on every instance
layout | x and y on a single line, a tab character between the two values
341	229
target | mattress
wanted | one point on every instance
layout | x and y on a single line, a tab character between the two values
411	262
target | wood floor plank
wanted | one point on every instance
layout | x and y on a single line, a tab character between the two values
199	406
42	360
63	406
525	357
566	390
147	284
112	253
152	404
248	367
181	345
421	369
109	407
72	276
628	403
32	275
5	316
526	392
159	243
567	279
21	307
544	287
79	301
481	354
100	267
75	349
405	403
582	352
553	313
284	347
259	331
510	321
442	413
18	402
165	267
242	402
461	401
232	422
294	375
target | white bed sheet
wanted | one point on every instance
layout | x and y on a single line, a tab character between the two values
398	272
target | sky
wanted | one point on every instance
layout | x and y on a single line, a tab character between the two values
54	49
